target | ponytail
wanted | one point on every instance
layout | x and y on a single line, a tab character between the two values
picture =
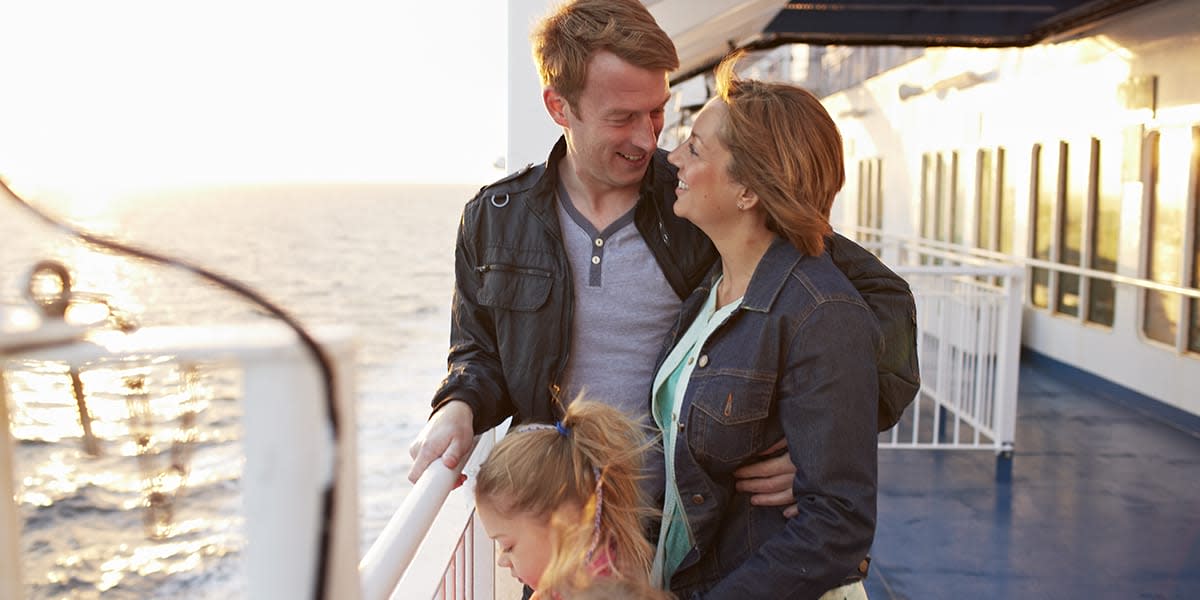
582	475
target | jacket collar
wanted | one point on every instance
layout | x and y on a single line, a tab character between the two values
542	200
769	276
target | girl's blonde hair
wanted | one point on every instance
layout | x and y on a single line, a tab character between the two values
592	459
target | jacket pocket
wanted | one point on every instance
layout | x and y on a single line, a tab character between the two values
511	287
729	414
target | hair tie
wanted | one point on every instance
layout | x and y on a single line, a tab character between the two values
558	426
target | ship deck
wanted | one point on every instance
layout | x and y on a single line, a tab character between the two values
1100	500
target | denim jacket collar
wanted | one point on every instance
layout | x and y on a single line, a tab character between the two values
770	275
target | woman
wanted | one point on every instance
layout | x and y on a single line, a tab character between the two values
776	343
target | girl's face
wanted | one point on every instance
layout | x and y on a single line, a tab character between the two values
522	542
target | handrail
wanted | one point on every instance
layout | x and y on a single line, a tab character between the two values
932	247
971	270
282	483
391	553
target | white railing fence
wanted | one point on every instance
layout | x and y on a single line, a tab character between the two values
968	343
290	456
433	546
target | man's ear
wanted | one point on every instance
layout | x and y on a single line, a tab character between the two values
556	105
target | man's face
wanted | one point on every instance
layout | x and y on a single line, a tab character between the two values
612	131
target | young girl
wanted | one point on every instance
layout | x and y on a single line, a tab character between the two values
563	503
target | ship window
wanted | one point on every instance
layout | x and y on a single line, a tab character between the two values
1078	175
870	195
929	181
956	187
940	198
1167	212
1004	202
941	191
985	188
1194	335
1105	227
931	200
1045	191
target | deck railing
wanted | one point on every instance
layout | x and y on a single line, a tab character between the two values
968	331
282	483
433	546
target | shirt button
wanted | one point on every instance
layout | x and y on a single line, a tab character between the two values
599	242
595	260
681	425
691	359
703	361
697	499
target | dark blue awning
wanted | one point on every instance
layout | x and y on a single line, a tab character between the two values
983	23
704	36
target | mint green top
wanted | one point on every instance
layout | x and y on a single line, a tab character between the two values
675	538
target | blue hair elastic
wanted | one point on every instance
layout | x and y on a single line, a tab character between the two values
558	426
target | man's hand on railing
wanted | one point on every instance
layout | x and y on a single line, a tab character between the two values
769	481
448	435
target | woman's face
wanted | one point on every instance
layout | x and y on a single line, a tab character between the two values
706	194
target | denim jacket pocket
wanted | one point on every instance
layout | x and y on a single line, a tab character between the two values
729	415
511	287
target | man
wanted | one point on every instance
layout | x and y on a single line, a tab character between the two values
569	274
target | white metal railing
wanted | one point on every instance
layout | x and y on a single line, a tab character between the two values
968	343
289	453
433	546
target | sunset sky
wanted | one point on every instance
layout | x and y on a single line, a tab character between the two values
132	94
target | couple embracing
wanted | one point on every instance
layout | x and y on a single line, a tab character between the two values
702	291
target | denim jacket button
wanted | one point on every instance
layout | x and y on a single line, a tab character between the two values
697	499
703	361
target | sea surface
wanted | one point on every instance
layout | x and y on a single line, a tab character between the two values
149	505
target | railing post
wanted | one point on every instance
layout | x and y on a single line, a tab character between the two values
389	556
1008	361
483	550
289	463
10	522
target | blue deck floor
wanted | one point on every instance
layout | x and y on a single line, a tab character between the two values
1103	502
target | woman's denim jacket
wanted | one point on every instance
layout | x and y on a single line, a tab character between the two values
797	359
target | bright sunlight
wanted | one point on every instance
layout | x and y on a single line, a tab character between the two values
116	95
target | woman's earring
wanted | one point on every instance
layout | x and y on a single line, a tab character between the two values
741	205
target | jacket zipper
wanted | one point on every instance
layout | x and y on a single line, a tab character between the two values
511	269
662	228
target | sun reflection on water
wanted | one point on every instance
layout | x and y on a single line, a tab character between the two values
154	494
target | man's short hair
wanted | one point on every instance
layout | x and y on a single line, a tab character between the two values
565	40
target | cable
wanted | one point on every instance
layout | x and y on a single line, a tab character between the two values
318	354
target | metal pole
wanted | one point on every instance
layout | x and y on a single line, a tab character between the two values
10	523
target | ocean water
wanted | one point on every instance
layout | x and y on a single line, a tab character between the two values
152	515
